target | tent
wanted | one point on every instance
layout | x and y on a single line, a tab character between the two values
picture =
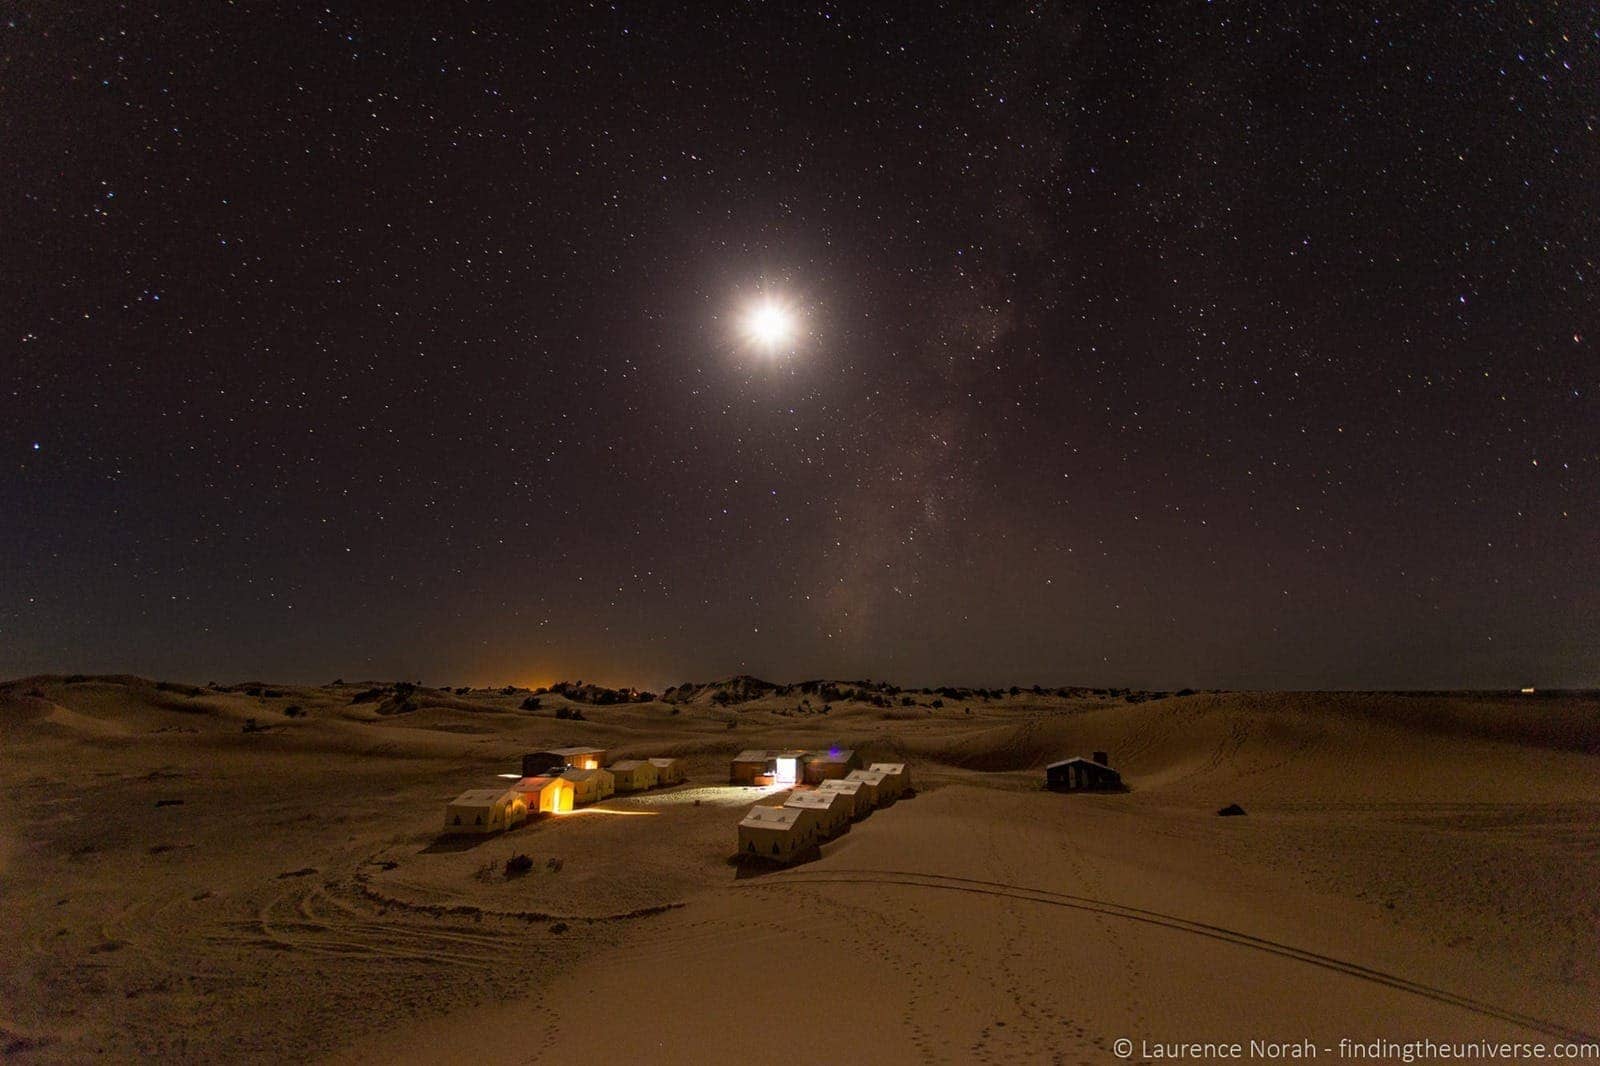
831	764
748	767
898	777
669	771
485	810
554	760
633	775
1072	775
855	799
539	763
789	766
547	795
582	758
590	786
834	809
872	786
777	834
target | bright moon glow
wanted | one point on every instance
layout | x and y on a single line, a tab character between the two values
770	325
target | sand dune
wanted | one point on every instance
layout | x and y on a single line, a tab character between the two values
1411	865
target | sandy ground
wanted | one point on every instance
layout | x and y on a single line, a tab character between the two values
1410	867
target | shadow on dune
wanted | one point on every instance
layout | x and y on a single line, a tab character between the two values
455	842
746	866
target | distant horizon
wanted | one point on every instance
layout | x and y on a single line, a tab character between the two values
660	689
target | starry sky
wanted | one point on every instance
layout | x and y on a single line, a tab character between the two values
1201	344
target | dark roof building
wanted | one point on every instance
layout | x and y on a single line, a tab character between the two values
828	765
1080	774
538	763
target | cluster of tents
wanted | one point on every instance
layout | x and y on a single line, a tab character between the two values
811	816
555	782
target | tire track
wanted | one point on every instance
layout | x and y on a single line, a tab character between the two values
1090	905
282	923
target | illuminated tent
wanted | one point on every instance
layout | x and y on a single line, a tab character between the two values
590	786
547	795
582	758
633	775
485	810
897	777
834	810
872	787
777	834
857	804
789	766
669	771
831	764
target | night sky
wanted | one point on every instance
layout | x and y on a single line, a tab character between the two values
1206	344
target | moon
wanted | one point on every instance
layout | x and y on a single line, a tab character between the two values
770	326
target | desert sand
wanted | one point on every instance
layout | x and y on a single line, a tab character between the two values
1411	866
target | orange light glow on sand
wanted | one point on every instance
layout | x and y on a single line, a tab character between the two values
604	810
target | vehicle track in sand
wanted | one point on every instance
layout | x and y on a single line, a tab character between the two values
913	879
333	918
302	919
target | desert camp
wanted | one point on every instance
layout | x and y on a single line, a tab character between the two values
683	879
826	811
568	779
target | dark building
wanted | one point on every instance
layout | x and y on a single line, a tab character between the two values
1080	774
753	767
828	765
540	763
